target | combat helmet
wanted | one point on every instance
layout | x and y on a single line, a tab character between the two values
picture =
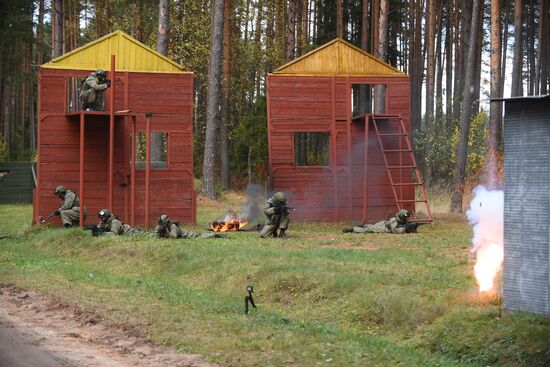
59	190
163	219
100	73
403	213
104	214
279	197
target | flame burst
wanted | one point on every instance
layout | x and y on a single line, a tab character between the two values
489	263
486	215
228	224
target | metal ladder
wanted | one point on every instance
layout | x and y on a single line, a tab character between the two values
391	166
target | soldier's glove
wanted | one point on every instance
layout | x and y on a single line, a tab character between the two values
57	212
108	82
278	210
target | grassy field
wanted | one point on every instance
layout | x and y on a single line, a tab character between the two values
323	297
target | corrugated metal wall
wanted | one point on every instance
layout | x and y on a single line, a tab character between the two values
16	185
526	274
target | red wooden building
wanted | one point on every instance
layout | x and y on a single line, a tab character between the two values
136	156
320	152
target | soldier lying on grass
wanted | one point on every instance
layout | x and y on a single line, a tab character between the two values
168	229
109	224
397	224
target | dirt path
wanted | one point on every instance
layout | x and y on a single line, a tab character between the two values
37	330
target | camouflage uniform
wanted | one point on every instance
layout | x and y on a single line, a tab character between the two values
91	91
276	218
111	225
70	206
395	224
168	229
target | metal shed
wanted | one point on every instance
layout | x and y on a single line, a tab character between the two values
339	136
106	156
526	268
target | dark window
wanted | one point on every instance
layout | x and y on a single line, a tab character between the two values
368	99
73	89
311	149
159	150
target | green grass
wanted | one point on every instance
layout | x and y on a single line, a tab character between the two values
324	298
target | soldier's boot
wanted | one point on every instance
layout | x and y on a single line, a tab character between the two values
347	230
282	233
67	225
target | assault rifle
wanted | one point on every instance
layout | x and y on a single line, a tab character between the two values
49	216
96	231
412	227
279	208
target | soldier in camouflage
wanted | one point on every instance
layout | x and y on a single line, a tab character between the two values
69	211
168	229
276	213
111	225
396	224
92	89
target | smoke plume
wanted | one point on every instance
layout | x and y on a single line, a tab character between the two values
486	215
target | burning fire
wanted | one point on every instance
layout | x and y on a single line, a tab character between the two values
230	223
487	218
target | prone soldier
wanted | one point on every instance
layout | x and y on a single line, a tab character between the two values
277	218
92	89
109	224
397	224
170	229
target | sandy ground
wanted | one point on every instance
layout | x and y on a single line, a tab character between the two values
37	330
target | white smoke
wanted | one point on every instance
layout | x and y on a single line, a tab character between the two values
486	215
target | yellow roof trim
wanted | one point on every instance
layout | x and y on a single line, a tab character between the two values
131	55
338	57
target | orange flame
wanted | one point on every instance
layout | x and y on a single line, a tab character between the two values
230	225
489	263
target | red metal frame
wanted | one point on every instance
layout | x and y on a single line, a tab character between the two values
81	175
147	168
112	132
133	174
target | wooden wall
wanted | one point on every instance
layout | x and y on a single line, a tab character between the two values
323	104
168	96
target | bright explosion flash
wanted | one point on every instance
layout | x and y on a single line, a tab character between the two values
486	215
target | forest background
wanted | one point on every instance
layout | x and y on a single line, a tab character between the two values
458	54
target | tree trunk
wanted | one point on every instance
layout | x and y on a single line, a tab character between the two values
504	48
496	107
380	91
213	100
542	66
339	19
439	65
376	26
517	69
363	91
531	52
224	128
164	27
449	41
291	30
430	69
57	34
40	41
465	115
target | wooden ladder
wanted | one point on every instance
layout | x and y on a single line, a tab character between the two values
393	153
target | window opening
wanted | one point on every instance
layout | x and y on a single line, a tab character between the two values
159	150
311	149
368	99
